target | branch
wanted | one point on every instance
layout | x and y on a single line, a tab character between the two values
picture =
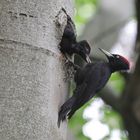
109	97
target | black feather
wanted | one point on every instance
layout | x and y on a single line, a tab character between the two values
64	110
69	44
90	80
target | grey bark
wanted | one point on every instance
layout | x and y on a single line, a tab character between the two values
32	76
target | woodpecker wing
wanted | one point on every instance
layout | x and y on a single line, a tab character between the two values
82	73
94	80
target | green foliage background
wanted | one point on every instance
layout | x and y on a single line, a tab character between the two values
84	10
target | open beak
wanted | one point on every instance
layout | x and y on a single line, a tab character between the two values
106	53
88	59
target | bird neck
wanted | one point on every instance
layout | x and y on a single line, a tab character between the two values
114	67
75	49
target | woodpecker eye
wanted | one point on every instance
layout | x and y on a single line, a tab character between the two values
118	56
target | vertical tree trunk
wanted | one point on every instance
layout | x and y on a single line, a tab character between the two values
32	85
131	95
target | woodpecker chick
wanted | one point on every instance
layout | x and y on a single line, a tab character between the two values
90	80
69	44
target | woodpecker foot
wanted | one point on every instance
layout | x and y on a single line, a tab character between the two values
71	64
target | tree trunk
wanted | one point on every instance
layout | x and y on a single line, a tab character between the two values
32	79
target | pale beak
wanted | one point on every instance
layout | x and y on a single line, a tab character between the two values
88	59
106	53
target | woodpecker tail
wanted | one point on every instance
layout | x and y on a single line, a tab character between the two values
64	110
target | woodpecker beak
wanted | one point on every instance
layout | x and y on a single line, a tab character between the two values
88	59
106	53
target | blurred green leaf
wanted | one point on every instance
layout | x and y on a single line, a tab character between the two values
84	11
114	122
76	123
111	117
117	82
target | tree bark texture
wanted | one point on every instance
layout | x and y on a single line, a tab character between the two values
32	76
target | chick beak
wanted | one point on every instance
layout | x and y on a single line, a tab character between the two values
106	53
88	59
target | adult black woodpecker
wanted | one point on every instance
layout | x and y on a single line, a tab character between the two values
69	44
90	80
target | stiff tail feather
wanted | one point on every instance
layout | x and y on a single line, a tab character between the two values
64	110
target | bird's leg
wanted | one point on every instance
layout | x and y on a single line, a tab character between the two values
76	67
67	58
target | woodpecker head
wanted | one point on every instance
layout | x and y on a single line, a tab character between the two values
84	50
117	62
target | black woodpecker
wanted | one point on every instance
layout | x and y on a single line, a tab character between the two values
69	44
90	80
